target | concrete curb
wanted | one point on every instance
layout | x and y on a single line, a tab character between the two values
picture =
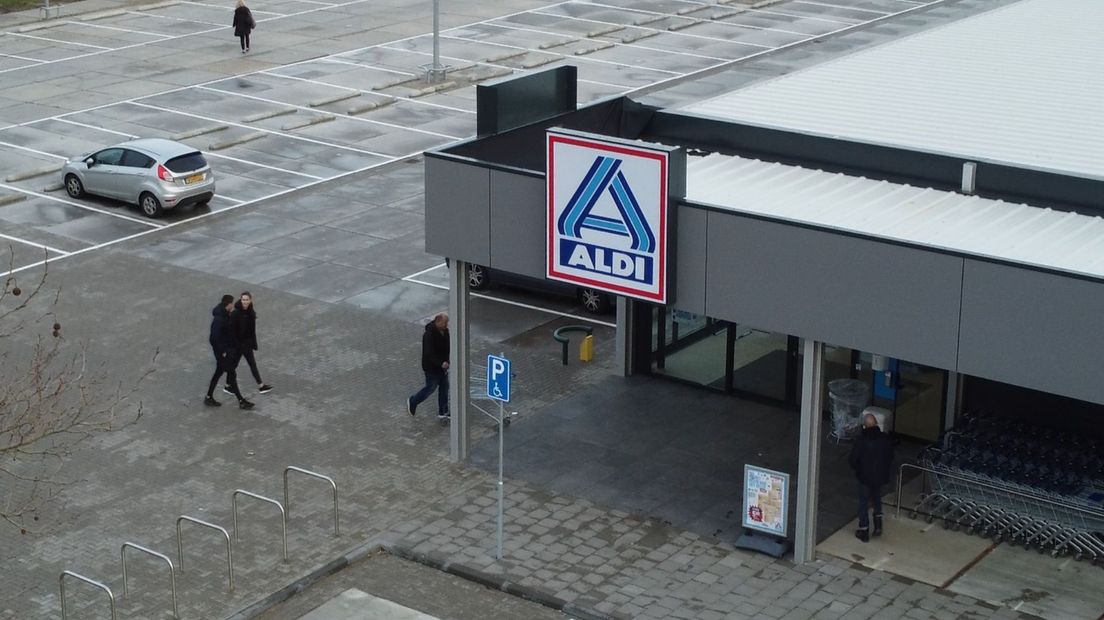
30	174
12	199
374	545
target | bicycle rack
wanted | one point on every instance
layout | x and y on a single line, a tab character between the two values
306	472
92	582
283	513
172	570
229	545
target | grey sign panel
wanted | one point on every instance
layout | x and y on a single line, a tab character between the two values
690	245
843	290
518	229
457	210
1035	329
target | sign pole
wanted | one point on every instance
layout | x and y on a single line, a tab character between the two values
501	443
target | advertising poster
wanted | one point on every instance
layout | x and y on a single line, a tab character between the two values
766	494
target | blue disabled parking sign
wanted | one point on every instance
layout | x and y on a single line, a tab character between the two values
498	378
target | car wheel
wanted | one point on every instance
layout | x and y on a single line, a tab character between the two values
594	301
477	277
73	186
150	205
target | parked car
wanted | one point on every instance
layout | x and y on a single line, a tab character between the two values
592	300
153	173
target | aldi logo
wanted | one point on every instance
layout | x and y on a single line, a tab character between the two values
607	215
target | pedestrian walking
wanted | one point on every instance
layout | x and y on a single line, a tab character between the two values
243	24
435	363
226	357
872	461
243	329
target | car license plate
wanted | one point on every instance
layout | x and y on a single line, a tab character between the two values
195	178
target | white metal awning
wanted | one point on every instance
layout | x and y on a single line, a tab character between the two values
939	219
1021	84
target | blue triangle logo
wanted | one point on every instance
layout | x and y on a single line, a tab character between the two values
605	176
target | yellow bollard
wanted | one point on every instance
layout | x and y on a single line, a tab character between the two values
586	349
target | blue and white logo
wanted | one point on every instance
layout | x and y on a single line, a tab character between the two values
607	216
498	378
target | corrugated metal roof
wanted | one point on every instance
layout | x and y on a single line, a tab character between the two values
1022	84
960	223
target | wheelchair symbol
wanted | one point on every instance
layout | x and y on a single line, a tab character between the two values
496	391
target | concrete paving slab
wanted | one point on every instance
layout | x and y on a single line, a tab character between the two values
354	604
328	282
67	227
403	301
1035	583
922	551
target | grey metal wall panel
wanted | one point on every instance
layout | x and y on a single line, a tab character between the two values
457	210
518	227
690	259
1034	329
842	290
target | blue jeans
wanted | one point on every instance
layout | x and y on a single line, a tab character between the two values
869	497
434	381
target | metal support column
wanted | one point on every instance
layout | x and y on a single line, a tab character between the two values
953	405
459	365
623	345
808	456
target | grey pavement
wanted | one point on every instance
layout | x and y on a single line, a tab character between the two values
342	288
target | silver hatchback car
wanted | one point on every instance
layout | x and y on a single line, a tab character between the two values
153	173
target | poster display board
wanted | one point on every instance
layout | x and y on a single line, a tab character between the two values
766	498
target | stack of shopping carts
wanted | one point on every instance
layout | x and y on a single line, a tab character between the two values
1018	483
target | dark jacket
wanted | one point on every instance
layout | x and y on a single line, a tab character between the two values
243	327
220	338
872	457
243	21
435	348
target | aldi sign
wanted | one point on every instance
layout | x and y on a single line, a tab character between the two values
607	215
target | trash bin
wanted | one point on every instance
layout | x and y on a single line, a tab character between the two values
846	400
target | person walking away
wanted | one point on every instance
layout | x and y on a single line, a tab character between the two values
435	363
226	358
872	461
243	329
243	24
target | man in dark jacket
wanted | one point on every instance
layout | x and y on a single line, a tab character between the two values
226	356
243	329
435	363
872	460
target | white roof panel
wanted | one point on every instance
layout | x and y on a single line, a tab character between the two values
1022	84
934	218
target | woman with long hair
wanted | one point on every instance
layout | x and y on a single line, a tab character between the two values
243	329
243	24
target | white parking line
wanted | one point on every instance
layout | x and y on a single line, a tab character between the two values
63	42
222	8
79	205
337	59
411	277
346	116
516	47
562	58
743	9
260	129
369	92
617	44
30	150
517	303
233	200
34	60
677	33
34	244
266	166
116	28
80	124
149	13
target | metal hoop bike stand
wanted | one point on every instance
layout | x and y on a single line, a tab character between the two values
307	472
229	545
172	570
283	513
91	582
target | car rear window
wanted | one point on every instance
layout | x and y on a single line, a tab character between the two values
186	163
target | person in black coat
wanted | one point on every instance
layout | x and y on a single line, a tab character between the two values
435	364
243	24
872	461
243	329
226	355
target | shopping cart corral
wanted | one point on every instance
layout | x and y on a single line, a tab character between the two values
1015	483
